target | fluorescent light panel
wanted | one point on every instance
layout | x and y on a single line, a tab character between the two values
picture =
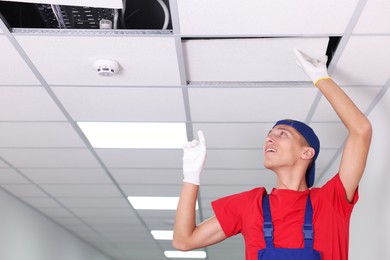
188	254
134	135
155	203
162	234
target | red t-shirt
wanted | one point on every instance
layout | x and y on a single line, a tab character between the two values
242	213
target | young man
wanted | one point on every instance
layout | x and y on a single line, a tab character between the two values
290	150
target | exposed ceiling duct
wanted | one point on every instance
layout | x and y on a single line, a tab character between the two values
135	14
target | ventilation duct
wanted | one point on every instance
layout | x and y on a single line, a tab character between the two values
135	15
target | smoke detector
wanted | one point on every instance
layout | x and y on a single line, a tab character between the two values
106	67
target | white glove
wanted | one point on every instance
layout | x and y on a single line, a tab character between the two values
193	159
315	68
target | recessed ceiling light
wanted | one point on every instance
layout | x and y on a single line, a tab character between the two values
188	254
155	203
134	135
162	234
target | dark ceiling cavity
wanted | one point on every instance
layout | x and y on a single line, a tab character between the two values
137	15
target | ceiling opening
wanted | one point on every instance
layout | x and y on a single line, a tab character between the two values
136	15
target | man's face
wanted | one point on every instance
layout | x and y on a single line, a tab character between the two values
282	148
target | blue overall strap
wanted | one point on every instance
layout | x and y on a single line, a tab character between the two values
308	224
268	228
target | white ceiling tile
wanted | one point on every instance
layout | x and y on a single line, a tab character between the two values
360	56
104	212
8	175
163	214
41	202
122	104
147	176
324	157
148	158
218	191
361	96
29	104
374	18
29	134
101	220
229	17
2	164
234	135
24	190
56	212
12	65
47	158
67	176
242	159
90	191
331	135
265	59
250	104
152	190
259	177
144	61
106	203
69	221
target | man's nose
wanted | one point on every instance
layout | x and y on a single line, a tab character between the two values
269	139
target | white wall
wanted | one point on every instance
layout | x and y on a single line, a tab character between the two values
371	218
370	221
27	235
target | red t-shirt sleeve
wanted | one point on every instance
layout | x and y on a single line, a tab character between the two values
229	210
334	191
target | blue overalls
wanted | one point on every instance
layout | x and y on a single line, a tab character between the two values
272	253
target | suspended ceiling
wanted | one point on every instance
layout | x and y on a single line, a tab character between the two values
226	67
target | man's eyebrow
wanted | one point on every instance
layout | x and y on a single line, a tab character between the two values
283	128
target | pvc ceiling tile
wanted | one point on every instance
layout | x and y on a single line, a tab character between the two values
234	135
56	212
245	159
24	190
153	190
82	190
48	158
148	158
112	212
28	104
42	202
239	177
12	65
123	104
355	66
31	134
325	157
264	59
374	18
229	17
10	176
118	202
67	176
143	61
246	105
361	96
331	135
3	165
218	191
147	176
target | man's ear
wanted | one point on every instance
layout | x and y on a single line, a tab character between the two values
308	153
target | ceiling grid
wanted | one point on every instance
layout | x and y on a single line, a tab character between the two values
222	66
